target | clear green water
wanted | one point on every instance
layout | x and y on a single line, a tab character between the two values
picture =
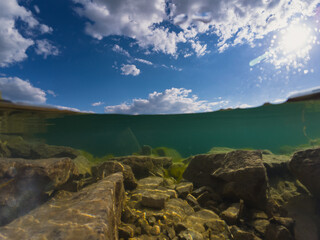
278	128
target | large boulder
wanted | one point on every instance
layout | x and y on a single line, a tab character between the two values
305	165
92	213
235	175
25	184
144	166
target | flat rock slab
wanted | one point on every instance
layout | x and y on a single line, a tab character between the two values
154	199
92	213
25	183
305	165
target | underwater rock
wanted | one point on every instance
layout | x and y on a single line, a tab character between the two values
146	150
305	165
277	232
304	210
235	175
239	234
92	213
231	214
276	165
49	151
25	184
106	168
126	231
16	147
151	182
260	226
144	166
184	188
190	235
154	199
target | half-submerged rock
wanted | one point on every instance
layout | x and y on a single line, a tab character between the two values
92	213
234	175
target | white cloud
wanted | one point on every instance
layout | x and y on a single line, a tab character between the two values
97	104
51	93
244	105
135	19
234	22
13	45
18	90
198	48
36	8
237	22
45	48
174	100
130	69
68	108
143	61
118	49
45	29
71	109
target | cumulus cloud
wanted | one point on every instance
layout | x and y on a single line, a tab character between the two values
97	104
13	45
198	48
135	19
237	22
45	48
18	90
174	100
234	22
130	69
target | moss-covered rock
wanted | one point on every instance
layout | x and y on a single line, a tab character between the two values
176	170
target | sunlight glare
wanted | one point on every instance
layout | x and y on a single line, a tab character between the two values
295	38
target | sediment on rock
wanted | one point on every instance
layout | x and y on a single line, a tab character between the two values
92	213
26	184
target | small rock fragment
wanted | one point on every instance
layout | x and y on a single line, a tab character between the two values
184	188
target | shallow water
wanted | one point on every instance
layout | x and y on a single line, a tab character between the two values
275	127
42	182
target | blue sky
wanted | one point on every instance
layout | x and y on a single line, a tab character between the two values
154	57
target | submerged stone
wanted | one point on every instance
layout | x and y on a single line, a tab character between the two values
235	175
305	165
144	166
184	188
239	234
25	184
106	168
231	214
154	199
92	213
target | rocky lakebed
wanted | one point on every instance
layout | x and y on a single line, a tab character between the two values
54	192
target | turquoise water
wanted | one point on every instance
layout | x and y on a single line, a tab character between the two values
272	127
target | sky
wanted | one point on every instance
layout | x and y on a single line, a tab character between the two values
157	57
